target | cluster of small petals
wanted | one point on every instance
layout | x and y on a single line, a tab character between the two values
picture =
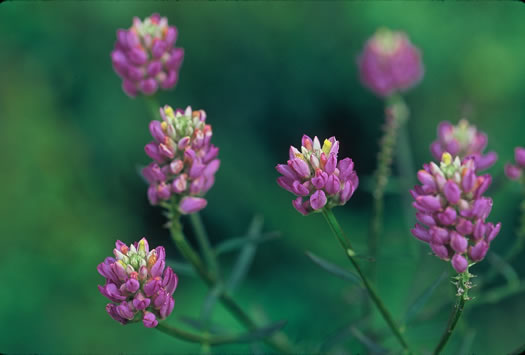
390	63
451	211
145	56
462	140
185	161
515	171
138	284
316	177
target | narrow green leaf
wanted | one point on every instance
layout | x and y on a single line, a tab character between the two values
334	269
341	335
181	268
372	346
246	255
209	302
255	335
197	324
261	333
422	299
239	242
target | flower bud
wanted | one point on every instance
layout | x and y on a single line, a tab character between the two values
145	57
316	176
132	291
390	63
457	189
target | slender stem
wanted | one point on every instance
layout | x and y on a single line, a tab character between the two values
187	251
456	314
406	171
463	286
204	339
204	243
211	280
396	115
345	243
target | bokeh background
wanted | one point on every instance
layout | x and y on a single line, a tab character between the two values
265	73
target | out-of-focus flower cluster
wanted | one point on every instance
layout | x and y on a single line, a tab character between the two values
139	284
145	56
316	176
463	140
185	161
515	171
390	63
450	203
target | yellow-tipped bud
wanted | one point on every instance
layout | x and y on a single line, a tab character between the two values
446	158
168	111
327	145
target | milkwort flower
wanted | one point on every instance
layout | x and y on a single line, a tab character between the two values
390	63
138	283
515	171
451	211
316	176
185	161
463	140
145	56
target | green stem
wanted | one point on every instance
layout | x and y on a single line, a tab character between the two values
396	115
463	286
204	243
456	314
211	280
204	339
345	243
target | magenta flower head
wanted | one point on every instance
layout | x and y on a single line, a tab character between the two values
390	63
515	171
145	56
138	284
451	211
316	176
185	161
463	140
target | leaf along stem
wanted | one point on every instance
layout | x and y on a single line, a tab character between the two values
230	304
204	243
345	243
456	314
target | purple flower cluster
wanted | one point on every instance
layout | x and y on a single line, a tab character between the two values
390	63
450	204
315	173
184	159
139	284
514	172
463	140
145	57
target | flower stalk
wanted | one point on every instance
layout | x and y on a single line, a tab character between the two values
204	243
345	243
464	285
396	116
211	280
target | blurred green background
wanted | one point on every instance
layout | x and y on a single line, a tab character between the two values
265	73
